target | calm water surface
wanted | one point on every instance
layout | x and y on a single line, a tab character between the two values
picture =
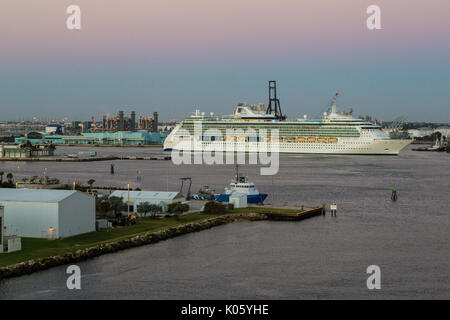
323	257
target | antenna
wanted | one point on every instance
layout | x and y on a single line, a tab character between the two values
333	101
274	103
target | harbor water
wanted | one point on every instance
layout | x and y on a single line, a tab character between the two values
322	257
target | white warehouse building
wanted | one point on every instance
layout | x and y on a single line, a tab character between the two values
161	198
40	213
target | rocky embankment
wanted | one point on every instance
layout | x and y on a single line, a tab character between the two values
31	266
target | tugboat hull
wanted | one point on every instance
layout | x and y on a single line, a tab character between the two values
251	198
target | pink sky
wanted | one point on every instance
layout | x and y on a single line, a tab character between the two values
200	28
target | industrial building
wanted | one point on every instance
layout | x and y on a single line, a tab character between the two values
101	138
41	213
161	198
26	151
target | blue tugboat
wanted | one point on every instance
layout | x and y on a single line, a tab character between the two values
242	186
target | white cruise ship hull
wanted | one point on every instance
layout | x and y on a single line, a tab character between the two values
343	146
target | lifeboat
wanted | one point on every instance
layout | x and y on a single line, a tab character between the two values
311	139
322	140
332	140
301	139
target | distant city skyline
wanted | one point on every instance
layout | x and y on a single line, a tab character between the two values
176	56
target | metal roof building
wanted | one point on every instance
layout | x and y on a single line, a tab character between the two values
41	213
152	197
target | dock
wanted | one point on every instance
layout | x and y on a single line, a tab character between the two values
83	159
304	214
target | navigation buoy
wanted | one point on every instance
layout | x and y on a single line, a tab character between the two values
394	194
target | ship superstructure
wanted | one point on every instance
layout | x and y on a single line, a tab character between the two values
242	186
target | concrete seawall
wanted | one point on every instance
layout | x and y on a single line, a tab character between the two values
31	266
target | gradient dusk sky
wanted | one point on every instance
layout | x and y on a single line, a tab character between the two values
173	56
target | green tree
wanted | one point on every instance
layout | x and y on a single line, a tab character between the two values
104	208
143	208
99	200
117	205
213	207
155	209
51	147
177	208
1	176
10	177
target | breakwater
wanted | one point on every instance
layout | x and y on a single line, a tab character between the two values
31	266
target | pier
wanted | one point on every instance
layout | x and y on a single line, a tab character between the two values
286	216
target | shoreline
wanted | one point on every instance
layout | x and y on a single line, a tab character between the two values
85	159
39	264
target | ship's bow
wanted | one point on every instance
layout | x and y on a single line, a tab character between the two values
391	146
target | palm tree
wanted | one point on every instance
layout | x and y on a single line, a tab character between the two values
143	208
90	183
155	209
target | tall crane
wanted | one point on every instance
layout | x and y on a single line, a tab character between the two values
396	128
274	103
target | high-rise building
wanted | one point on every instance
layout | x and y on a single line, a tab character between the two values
155	121
122	123
133	121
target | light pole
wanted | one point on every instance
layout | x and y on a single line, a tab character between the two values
128	202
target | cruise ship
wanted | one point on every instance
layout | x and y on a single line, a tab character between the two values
335	133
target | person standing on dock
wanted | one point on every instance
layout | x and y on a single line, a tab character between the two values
394	194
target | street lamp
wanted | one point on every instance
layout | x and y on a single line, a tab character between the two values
128	202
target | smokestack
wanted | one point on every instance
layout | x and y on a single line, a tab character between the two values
155	121
120	121
133	121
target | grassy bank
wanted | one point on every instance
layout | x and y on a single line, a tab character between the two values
33	248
